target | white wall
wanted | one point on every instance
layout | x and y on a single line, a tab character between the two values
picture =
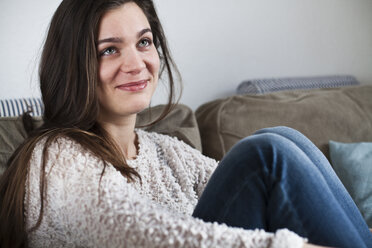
217	44
23	24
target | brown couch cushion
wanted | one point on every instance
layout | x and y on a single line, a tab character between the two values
181	123
12	134
343	114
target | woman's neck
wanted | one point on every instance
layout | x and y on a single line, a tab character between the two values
122	132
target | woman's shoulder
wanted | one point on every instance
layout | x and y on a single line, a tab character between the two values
60	144
62	151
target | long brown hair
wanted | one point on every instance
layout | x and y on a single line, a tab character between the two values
68	81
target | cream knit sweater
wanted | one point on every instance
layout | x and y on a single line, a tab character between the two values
82	211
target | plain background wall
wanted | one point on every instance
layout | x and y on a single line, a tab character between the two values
216	44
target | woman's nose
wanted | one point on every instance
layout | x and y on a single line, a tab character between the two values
132	62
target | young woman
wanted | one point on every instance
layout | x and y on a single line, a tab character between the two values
89	178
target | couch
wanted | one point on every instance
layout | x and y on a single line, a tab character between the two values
337	120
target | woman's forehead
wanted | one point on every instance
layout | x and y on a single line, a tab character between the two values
126	20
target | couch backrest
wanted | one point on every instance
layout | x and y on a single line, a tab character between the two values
181	123
342	114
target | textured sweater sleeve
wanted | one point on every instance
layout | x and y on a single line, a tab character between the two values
83	209
201	166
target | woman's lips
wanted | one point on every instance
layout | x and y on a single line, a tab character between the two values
134	86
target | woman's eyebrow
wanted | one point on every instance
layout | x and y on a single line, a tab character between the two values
144	31
120	40
110	40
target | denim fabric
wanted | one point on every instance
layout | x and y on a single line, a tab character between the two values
276	179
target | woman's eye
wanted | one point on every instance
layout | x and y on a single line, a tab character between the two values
144	43
108	51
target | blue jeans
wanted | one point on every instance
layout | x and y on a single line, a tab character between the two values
276	179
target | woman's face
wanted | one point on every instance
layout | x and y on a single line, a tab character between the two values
128	63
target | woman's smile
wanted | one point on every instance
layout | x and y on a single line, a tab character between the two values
134	86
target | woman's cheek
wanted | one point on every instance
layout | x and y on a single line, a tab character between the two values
154	61
106	71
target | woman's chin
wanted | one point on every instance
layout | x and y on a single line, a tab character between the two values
122	109
139	107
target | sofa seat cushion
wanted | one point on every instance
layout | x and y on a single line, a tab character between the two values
343	114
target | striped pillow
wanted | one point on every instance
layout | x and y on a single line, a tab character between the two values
263	86
16	107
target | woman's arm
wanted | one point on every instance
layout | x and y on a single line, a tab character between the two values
84	211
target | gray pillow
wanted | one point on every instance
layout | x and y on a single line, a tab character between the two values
353	164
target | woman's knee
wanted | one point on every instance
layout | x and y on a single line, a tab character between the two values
264	146
280	130
269	158
270	149
267	137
